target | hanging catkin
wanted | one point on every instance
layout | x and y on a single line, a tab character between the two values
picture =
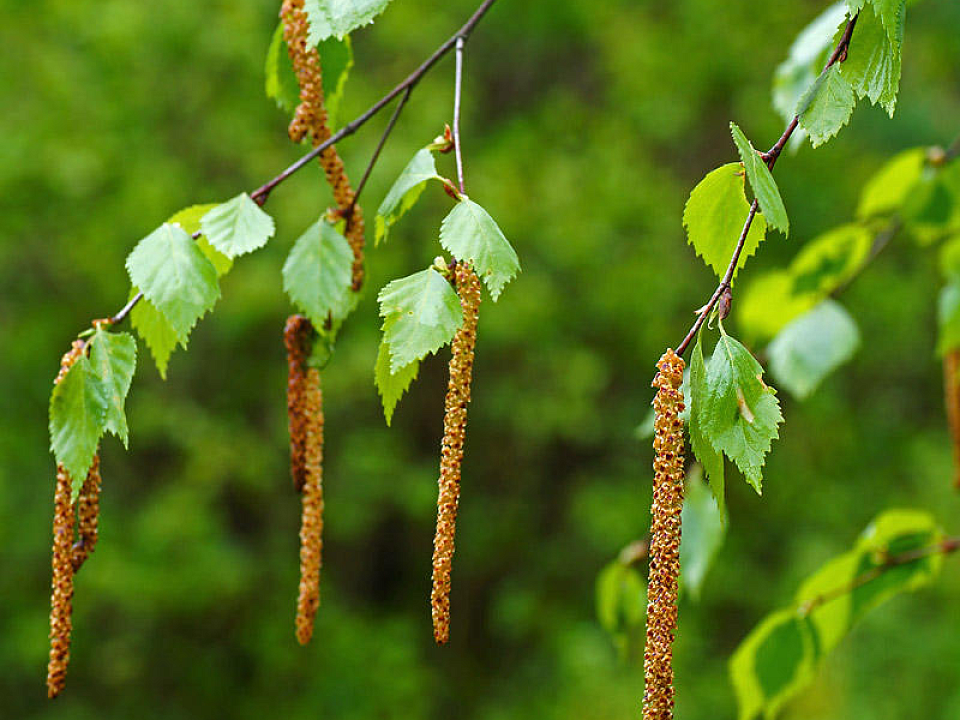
88	515
296	337
665	539
310	118
311	524
451	457
951	398
61	596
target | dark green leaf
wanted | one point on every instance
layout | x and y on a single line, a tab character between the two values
826	106
156	332
703	531
710	457
280	79
872	66
78	409
113	357
406	191
392	385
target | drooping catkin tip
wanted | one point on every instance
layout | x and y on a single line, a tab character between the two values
311	524
61	598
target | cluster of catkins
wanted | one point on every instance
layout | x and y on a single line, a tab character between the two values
451	454
310	118
68	555
305	412
664	539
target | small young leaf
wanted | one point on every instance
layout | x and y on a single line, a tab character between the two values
714	217
317	274
703	531
339	17
761	182
826	106
471	235
113	357
405	191
175	276
710	457
421	314
740	412
156	332
280	80
872	66
813	346
238	226
392	385
891	185
78	408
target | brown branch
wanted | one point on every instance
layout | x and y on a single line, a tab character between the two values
944	547
770	157
406	85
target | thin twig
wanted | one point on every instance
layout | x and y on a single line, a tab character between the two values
261	194
944	547
458	85
376	153
770	158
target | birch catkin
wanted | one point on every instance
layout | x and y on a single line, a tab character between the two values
296	337
88	515
951	399
311	524
665	539
451	457
310	118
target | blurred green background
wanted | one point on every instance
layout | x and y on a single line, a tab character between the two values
585	126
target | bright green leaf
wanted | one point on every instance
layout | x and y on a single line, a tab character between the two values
175	276
812	346
318	274
238	226
78	409
761	182
892	14
156	332
771	301
336	60
339	17
872	66
710	457
280	80
621	598
714	216
471	235
703	530
405	191
421	314
392	385
189	219
113	357
830	259
948	314
826	106
740	412
891	185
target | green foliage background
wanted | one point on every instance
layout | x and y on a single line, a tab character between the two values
586	125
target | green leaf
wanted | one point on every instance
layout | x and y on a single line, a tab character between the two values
392	385
280	80
770	302
710	457
948	314
891	185
189	219
421	314
813	346
78	408
892	14
113	357
826	106
740	412
155	331
873	63
175	276
831	259
339	17
703	531
761	182
405	191
238	226
318	274
470	234
714	216
621	597
776	660
336	61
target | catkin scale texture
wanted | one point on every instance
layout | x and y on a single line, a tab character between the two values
451	457
296	338
310	118
658	697
88	515
311	523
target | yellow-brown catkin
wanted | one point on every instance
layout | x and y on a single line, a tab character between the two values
296	337
310	118
311	523
451	454
88	515
664	539
951	398
61	596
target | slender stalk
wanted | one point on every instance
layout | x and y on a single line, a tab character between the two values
457	91
376	153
